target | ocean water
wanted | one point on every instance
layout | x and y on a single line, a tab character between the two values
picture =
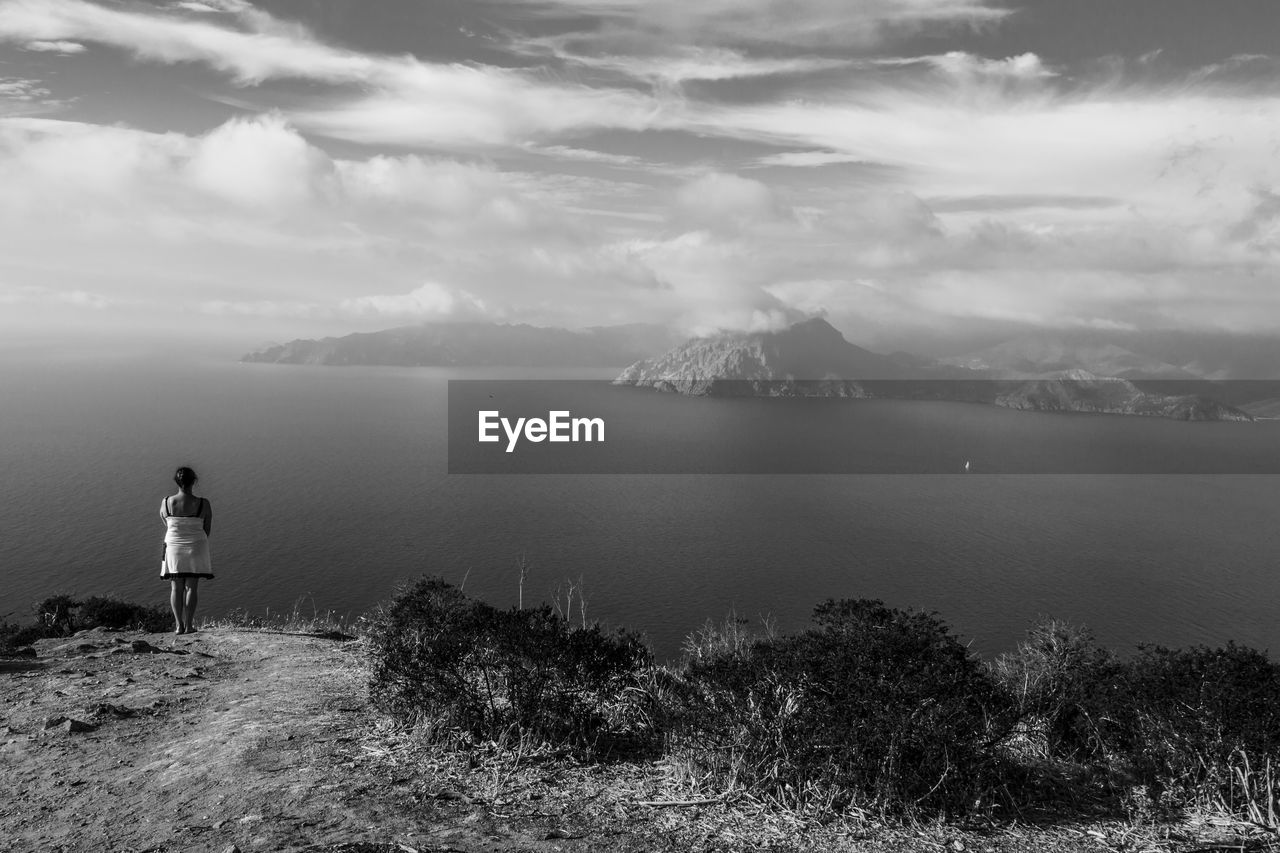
330	487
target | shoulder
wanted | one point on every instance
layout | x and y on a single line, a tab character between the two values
206	506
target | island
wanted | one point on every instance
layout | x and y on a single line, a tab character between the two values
813	359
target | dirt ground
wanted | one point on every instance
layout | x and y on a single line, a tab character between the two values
225	740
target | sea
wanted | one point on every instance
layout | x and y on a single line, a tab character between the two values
331	488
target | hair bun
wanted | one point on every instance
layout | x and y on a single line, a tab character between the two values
185	477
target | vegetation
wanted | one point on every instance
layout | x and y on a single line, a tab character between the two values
62	615
299	619
871	710
461	664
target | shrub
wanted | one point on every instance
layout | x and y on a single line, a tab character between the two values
14	637
55	613
873	707
122	615
1059	681
438	654
62	615
1187	716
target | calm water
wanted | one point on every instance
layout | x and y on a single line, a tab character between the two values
331	484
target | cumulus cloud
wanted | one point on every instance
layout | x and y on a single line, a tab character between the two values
939	189
718	201
1026	66
260	162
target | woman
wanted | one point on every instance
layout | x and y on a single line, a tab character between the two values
188	520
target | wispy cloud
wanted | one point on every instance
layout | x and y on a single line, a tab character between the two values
66	48
673	64
409	102
22	89
802	22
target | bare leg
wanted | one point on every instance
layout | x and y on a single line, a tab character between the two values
177	588
189	605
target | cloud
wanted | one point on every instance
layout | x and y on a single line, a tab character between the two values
806	159
408	102
429	301
718	201
63	47
259	161
22	89
672	64
1026	66
40	295
790	22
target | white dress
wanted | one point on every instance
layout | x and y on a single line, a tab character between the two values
186	546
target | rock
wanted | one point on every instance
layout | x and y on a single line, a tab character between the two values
68	725
25	652
143	647
234	848
103	709
560	834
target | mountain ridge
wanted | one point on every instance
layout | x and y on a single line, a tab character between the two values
474	344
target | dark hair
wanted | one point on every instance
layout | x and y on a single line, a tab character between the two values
185	478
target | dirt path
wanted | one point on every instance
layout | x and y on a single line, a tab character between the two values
223	738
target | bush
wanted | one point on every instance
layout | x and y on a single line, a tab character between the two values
14	637
1181	725
56	615
123	615
1187	717
62	616
873	708
436	653
1060	682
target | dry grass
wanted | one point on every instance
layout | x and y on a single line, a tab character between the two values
298	620
651	806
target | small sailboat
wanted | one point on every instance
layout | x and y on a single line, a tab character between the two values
966	466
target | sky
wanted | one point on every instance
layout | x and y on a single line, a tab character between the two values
920	172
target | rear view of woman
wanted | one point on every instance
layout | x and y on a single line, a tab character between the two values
188	520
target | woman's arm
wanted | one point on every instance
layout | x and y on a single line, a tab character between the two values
207	515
